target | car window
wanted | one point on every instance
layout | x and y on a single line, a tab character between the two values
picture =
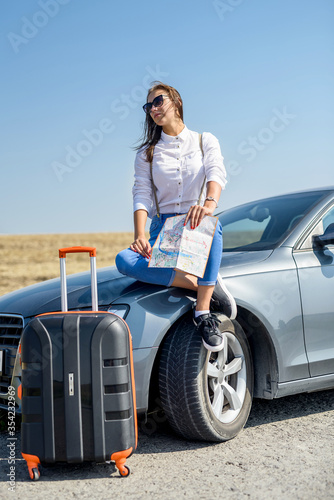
262	225
243	232
319	229
328	219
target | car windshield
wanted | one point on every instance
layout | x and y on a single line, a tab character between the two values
262	225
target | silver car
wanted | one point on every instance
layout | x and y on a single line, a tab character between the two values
278	262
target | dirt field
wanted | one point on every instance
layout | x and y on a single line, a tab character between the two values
285	451
28	259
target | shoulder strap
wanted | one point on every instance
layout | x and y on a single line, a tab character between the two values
203	185
155	189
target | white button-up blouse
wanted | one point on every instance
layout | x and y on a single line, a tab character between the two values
178	172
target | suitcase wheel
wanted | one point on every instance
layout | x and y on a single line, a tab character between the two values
120	458
35	474
32	463
125	471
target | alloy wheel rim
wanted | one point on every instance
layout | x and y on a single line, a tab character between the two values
227	380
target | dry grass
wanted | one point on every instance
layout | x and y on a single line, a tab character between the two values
28	259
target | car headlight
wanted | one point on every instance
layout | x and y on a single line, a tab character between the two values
121	310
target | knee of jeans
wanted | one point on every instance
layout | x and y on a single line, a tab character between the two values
120	262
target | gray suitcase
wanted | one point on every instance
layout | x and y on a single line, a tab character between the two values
78	392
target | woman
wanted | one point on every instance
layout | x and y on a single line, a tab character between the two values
178	170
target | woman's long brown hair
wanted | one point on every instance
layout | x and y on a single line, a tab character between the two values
152	131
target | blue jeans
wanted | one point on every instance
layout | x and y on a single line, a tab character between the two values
135	265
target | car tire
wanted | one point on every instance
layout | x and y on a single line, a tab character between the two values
206	395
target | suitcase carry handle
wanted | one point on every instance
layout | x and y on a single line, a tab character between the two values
63	284
64	251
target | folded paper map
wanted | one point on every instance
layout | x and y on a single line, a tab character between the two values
182	248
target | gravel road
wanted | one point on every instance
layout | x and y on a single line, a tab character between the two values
285	451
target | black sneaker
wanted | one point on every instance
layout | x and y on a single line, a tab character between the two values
222	300
212	338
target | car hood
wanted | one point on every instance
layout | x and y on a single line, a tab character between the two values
236	263
45	297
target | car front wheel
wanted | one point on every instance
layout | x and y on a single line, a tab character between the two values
206	395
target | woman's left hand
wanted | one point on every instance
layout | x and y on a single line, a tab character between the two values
196	213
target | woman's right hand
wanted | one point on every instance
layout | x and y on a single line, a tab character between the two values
142	246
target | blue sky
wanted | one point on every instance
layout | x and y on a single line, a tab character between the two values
258	74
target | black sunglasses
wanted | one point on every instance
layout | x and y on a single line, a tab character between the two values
157	103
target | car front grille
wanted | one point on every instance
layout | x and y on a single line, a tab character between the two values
11	327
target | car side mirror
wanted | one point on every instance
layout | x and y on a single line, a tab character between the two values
321	241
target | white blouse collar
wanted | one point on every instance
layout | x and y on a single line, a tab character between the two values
170	138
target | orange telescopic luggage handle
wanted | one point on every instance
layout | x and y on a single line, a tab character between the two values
63	285
64	251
